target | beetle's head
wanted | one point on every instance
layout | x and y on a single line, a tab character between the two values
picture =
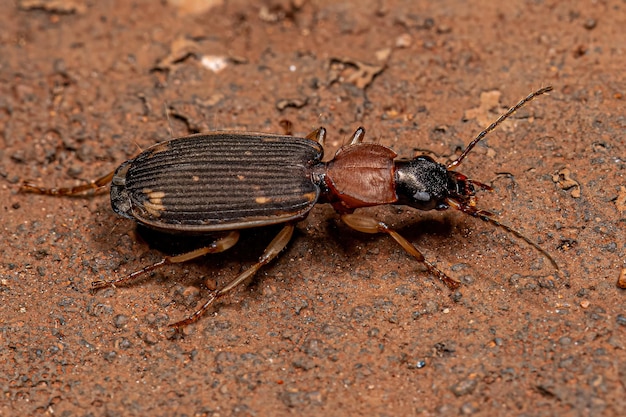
425	184
120	199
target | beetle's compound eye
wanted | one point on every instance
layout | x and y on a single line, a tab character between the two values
422	196
424	158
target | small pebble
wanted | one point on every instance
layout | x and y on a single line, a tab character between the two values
590	24
621	281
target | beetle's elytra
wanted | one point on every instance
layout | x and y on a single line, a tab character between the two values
218	181
227	181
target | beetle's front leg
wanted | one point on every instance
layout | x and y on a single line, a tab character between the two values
367	224
271	252
219	245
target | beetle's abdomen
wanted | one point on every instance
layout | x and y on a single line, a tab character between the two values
218	181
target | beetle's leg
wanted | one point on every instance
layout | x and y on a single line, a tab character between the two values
318	135
357	136
220	245
272	250
287	127
488	217
367	224
28	187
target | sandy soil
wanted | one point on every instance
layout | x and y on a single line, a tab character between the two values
342	323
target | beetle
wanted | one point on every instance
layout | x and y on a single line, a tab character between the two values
222	182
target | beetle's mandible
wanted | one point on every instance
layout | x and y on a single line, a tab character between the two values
227	181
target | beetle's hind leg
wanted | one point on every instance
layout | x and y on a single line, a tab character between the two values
219	245
28	187
370	225
273	249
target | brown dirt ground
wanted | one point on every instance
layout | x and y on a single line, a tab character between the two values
341	323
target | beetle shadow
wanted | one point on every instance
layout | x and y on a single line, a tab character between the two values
246	251
441	227
172	244
417	230
256	239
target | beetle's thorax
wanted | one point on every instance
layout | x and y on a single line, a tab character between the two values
359	175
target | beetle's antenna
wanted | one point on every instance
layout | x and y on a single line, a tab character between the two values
492	126
487	216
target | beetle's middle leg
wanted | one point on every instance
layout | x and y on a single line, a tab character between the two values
367	224
271	252
219	245
318	135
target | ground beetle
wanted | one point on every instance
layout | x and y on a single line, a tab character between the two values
227	181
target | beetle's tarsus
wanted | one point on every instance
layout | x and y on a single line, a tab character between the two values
179	325
219	245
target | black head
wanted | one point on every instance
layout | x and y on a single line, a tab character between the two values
425	184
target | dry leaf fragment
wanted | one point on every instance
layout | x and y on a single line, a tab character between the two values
620	202
352	71
181	49
296	103
54	6
489	106
564	180
194	6
621	281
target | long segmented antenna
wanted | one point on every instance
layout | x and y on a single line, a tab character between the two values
487	216
492	126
